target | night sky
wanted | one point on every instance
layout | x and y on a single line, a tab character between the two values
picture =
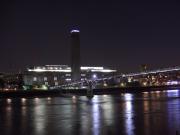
118	34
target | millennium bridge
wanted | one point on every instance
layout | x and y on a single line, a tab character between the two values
158	77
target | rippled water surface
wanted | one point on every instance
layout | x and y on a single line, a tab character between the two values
153	113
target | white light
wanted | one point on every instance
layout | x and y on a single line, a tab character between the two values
73	97
72	31
68	69
158	91
172	83
83	75
68	74
92	68
128	97
23	99
9	100
94	76
44	70
48	98
36	99
172	91
68	79
104	70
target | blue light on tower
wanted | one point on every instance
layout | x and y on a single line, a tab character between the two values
75	31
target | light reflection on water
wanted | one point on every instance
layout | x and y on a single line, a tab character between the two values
129	114
126	114
9	101
39	121
173	93
96	116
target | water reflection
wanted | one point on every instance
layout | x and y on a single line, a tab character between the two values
173	110
36	100
108	110
39	121
9	101
23	101
96	116
173	93
149	113
23	122
129	114
8	118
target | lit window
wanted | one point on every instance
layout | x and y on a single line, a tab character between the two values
55	78
68	79
45	78
34	78
68	74
46	83
56	83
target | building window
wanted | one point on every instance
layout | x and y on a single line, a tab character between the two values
55	78
34	78
45	78
46	83
83	75
68	74
56	83
68	79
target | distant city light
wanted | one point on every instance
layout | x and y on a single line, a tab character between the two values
9	100
105	84
68	79
172	83
154	71
74	97
94	76
158	91
144	83
23	100
48	98
122	84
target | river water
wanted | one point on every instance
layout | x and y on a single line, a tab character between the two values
153	113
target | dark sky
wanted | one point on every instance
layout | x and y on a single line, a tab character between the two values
122	34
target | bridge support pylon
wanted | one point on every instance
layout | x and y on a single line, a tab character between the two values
90	94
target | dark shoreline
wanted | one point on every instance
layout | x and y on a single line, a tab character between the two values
83	92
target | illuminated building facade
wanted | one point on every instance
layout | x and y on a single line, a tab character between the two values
54	75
